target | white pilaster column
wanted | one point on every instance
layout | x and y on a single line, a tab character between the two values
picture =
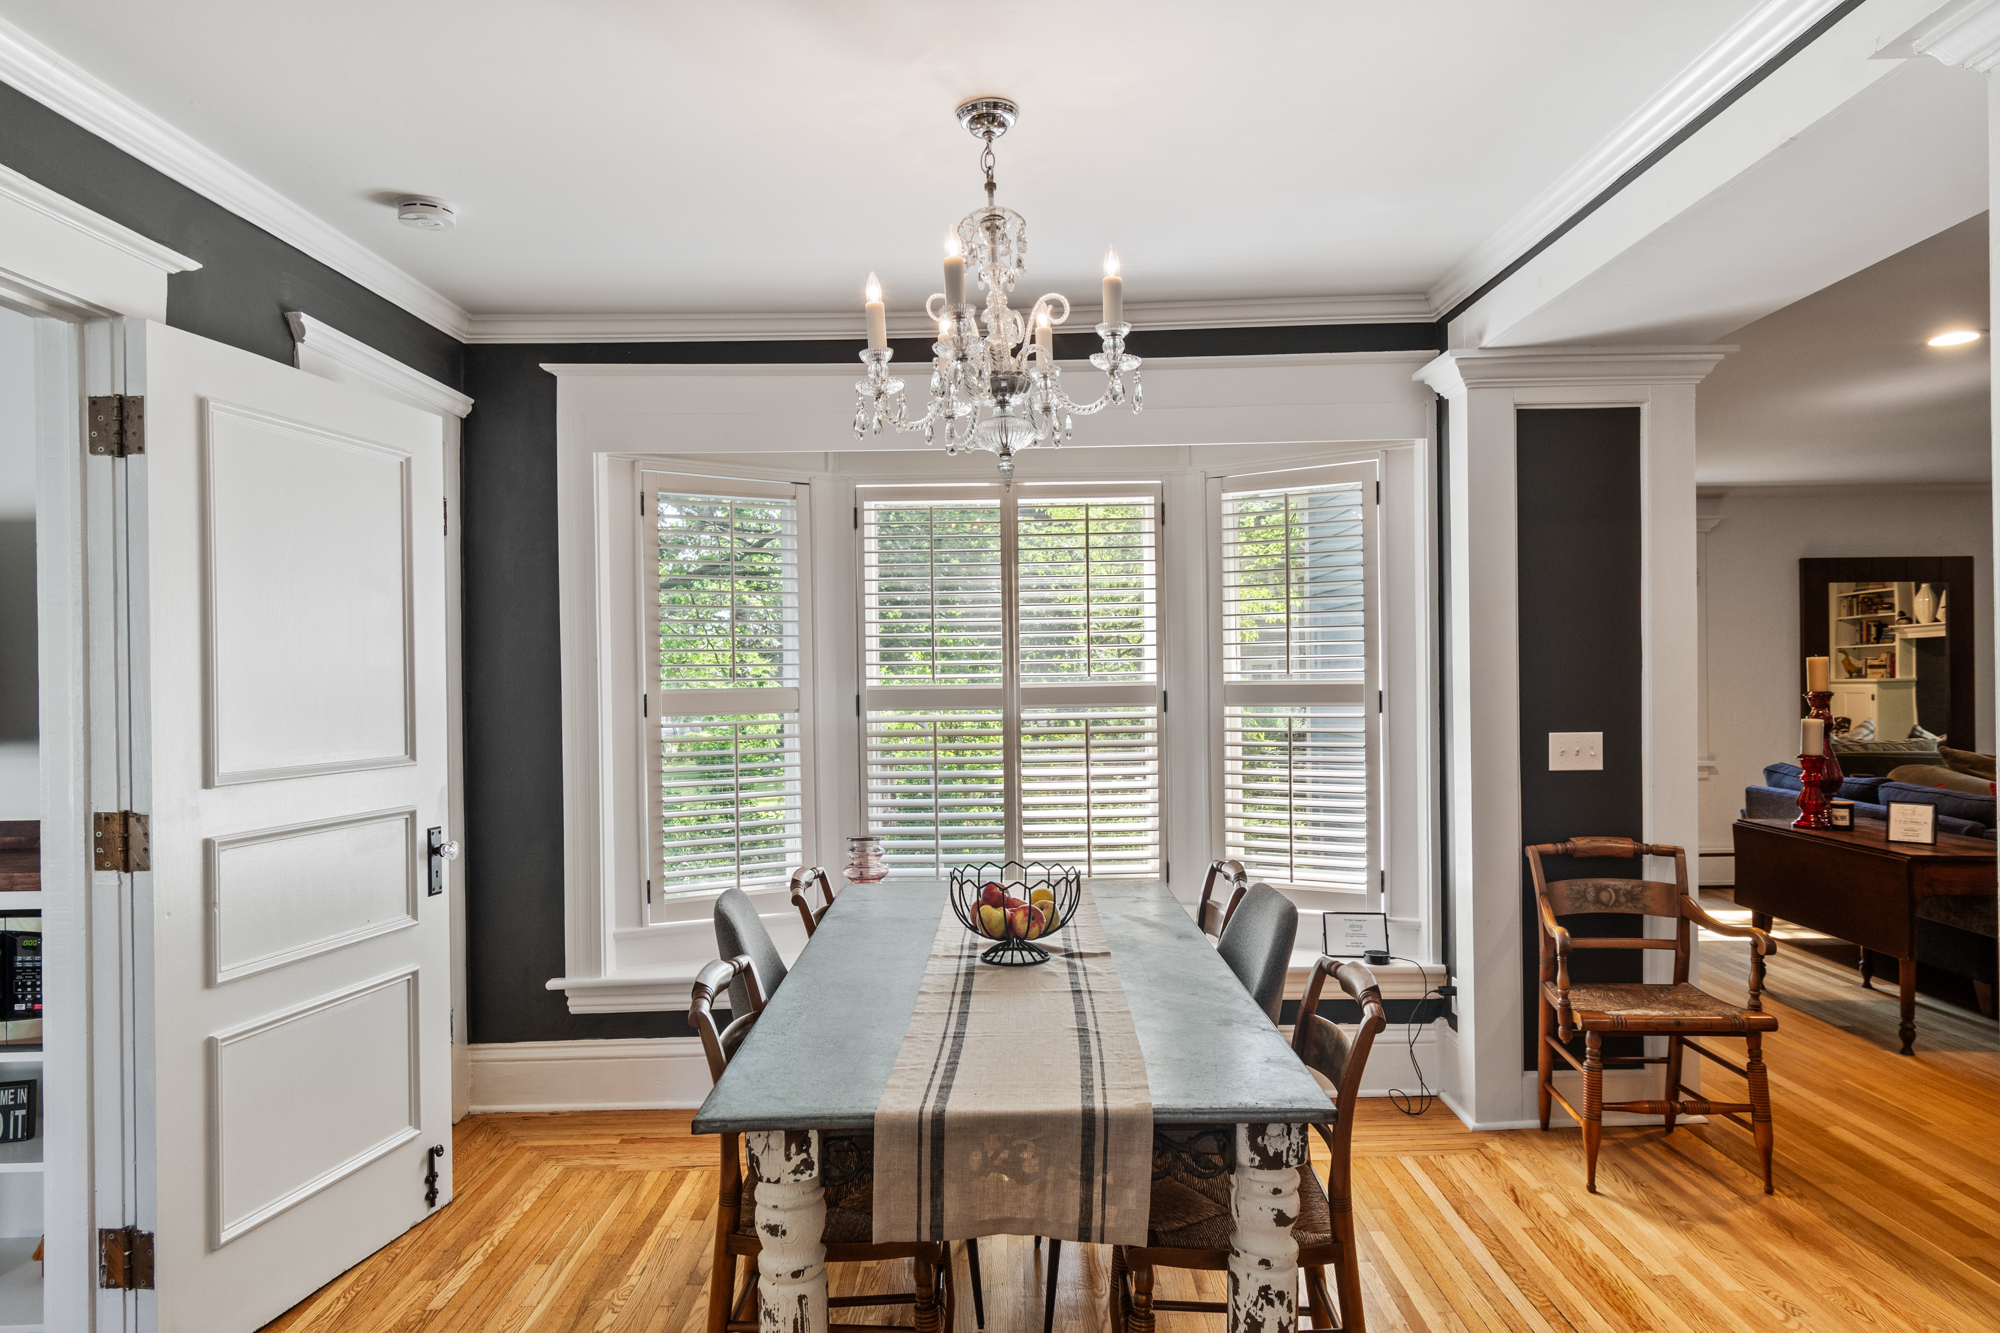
1485	388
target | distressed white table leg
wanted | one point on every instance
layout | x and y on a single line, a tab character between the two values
1263	1254
791	1226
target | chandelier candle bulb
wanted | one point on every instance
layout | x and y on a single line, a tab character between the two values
1816	674
954	272
1812	736
878	319
1045	338
1114	290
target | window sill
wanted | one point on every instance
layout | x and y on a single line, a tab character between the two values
637	991
1399	981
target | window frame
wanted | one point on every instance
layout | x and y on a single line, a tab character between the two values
1012	698
1224	693
659	907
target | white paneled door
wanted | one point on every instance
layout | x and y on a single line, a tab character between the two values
284	559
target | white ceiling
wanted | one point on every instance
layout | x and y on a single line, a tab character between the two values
627	156
1841	387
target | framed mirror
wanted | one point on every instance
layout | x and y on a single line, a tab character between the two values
1897	658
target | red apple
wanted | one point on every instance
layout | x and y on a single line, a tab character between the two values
991	896
1038	922
1017	921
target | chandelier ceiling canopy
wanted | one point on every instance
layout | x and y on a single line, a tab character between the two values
999	390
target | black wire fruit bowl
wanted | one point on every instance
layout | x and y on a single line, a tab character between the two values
1015	903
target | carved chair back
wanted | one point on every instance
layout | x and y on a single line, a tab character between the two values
1212	915
1339	1058
1636	897
802	880
739	930
1257	945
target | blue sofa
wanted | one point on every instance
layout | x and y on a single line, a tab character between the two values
1955	935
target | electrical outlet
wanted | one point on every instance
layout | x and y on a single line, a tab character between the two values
1575	749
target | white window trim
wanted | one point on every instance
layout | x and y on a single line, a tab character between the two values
747	421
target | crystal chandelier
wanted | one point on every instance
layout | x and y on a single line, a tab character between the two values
1000	391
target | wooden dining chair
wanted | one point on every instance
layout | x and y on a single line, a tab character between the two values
1257	945
739	932
1190	1218
1212	915
847	1175
802	879
1677	1011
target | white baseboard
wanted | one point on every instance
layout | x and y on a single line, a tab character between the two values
671	1073
635	1074
461	1081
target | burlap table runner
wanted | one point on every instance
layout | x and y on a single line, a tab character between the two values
1018	1105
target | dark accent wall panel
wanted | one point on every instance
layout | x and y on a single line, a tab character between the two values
513	672
248	279
1579	542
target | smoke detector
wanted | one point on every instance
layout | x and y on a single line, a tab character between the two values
426	214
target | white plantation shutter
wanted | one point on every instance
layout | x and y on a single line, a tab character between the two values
1300	724
727	754
1010	651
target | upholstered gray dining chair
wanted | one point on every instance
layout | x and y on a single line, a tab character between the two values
740	931
1257	945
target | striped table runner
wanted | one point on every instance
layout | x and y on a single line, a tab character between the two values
1018	1105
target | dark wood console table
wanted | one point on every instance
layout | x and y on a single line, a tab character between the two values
1857	886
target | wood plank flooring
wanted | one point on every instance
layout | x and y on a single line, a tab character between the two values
1887	1215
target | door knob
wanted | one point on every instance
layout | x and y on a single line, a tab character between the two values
441	851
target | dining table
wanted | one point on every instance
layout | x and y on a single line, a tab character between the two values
820	1055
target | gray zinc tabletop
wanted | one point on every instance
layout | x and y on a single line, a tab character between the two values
821	1054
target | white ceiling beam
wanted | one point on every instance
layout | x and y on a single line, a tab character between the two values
1761	35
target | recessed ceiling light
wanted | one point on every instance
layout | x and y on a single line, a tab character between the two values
426	214
1956	338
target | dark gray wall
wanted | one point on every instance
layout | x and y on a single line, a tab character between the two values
1579	549
20	690
248	279
513	677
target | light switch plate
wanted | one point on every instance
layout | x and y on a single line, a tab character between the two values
1575	749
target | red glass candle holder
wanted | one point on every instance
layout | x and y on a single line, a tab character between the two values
1819	704
1813	799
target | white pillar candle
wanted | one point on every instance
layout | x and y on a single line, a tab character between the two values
954	272
1114	289
1816	674
1812	736
878	320
1045	337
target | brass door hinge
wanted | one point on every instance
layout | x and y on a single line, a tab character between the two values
121	841
117	425
125	1259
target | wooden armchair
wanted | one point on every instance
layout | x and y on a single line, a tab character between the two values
1191	1219
847	1173
802	879
1211	915
1678	1011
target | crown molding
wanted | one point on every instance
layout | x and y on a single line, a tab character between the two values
324	350
81	97
846	324
1758	37
1966	32
43	200
1540	367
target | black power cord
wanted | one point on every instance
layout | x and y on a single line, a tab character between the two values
1425	1096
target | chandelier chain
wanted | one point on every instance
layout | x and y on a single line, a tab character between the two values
987	161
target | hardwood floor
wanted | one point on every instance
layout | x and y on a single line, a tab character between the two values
1887	1215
